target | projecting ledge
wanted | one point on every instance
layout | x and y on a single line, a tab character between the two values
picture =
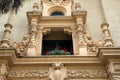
109	53
9	55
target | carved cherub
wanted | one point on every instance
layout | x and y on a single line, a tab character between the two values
92	47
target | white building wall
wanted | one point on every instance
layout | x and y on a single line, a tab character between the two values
112	13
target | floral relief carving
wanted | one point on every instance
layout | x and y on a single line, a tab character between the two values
87	73
28	73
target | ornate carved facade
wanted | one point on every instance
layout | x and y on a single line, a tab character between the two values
58	46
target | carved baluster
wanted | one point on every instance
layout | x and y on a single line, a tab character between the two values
7	32
107	38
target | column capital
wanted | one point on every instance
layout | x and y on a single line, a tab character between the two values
8	25
35	7
104	24
77	6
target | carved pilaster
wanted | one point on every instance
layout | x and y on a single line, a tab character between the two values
3	71
32	44
39	39
80	32
107	38
75	42
7	32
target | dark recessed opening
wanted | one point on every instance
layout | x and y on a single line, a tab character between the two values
57	43
57	13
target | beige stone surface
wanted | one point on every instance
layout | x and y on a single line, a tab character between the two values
94	18
92	59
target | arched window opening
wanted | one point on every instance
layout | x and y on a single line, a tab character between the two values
57	13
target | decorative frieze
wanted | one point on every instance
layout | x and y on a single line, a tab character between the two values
28	73
77	73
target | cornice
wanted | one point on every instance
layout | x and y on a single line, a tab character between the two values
105	54
103	57
8	54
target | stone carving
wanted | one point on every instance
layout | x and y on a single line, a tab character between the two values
21	47
85	39
92	46
35	7
87	73
77	6
116	78
28	73
58	72
28	45
3	71
5	42
113	67
108	42
61	2
116	66
114	70
1	78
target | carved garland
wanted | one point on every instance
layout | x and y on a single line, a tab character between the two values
87	73
28	73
